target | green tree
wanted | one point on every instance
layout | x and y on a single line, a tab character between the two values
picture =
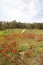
0	25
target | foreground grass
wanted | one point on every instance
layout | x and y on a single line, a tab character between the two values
6	32
28	50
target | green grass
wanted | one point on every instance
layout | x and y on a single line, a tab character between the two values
26	40
23	43
17	31
35	31
6	32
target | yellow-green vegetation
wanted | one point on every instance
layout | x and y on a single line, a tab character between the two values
21	49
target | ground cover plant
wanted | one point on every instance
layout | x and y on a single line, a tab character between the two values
21	49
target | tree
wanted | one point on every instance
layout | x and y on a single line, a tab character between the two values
29	26
36	25
0	25
13	24
41	26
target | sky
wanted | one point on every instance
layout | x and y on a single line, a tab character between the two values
21	10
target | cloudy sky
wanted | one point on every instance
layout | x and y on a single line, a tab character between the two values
21	10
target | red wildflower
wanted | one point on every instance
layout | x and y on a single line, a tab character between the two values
0	44
15	50
9	46
0	51
4	50
5	36
3	54
8	57
11	50
31	47
15	59
14	43
16	64
42	60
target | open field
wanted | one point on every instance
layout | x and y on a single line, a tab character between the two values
18	48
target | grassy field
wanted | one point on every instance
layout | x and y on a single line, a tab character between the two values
21	49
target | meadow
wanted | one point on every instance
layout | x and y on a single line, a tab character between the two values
18	48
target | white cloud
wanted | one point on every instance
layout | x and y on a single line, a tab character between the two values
20	10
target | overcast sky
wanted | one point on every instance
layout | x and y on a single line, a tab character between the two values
21	10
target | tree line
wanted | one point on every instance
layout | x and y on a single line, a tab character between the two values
14	24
